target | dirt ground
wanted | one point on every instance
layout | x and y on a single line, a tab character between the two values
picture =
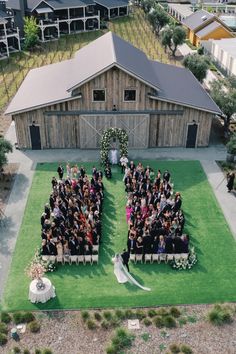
66	333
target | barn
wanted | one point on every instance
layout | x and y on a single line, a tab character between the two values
110	83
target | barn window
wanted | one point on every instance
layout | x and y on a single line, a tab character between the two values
99	95
129	95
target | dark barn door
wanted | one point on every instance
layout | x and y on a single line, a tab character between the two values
191	136
35	137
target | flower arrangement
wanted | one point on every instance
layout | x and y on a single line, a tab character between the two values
35	270
184	264
48	266
105	142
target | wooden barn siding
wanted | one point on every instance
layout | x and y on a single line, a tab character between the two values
64	131
167	131
92	127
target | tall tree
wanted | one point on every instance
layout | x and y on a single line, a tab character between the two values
172	37
5	148
147	5
31	33
223	93
198	64
158	18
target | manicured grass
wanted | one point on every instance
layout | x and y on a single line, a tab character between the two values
211	280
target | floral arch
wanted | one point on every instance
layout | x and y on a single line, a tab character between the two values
105	142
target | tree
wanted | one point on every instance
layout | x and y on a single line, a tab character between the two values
147	5
158	18
31	33
223	93
5	148
173	36
198	64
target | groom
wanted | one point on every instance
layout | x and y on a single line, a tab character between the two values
125	258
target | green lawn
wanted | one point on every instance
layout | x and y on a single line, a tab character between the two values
211	280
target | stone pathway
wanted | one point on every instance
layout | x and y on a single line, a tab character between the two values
28	160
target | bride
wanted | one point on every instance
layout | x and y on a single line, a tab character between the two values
122	274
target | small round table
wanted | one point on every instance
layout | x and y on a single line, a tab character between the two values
44	295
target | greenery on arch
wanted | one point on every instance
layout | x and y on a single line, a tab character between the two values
105	142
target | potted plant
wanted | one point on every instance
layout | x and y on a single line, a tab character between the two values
231	148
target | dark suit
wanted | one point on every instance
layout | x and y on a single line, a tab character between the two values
131	244
125	258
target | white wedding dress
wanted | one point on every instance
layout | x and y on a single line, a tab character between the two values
114	157
122	274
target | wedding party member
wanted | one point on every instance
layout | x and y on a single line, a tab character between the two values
107	171
60	171
125	258
122	275
123	162
230	181
114	156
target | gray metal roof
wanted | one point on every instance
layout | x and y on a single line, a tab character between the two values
110	4
197	19
180	85
60	4
13	4
208	29
53	83
3	14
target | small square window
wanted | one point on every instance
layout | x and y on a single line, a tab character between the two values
99	95
129	95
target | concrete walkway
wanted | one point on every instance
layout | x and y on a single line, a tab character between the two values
29	159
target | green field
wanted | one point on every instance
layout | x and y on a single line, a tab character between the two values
211	280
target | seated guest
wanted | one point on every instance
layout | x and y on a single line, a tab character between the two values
185	240
178	245
139	245
169	244
131	244
161	245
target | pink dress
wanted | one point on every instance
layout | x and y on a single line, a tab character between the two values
128	213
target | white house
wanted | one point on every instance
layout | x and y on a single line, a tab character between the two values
223	52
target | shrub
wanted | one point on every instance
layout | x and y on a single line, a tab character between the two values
152	313
105	325
34	326
158	321
107	315
85	315
46	351
121	340
26	351
129	314
111	350
174	348
18	317
3	328
147	322
182	321
3	339
186	349
91	324
28	317
97	316
120	314
169	321
219	316
162	312
5	317
140	314
175	312
38	351
16	350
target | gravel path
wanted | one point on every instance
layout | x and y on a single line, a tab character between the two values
66	333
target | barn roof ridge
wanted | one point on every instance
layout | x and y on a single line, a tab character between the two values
55	83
